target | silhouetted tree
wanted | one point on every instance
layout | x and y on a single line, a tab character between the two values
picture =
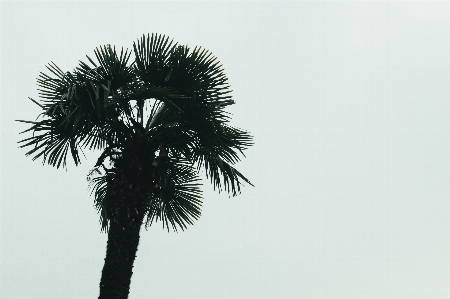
158	121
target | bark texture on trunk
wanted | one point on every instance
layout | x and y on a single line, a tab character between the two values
130	190
123	241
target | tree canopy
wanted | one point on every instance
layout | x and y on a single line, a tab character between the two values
166	107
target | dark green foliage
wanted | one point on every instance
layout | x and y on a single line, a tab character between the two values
159	120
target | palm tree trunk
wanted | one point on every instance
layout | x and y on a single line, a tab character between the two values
130	190
123	241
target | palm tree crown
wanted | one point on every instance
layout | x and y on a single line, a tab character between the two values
158	121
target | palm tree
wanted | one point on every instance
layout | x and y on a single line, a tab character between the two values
158	121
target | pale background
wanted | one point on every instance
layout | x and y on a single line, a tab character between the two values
349	106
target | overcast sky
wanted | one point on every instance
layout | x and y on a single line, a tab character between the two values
349	106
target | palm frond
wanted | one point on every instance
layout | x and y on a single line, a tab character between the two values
151	55
99	186
222	174
177	197
52	138
78	108
111	68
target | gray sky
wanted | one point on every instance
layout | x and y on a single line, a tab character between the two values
349	106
